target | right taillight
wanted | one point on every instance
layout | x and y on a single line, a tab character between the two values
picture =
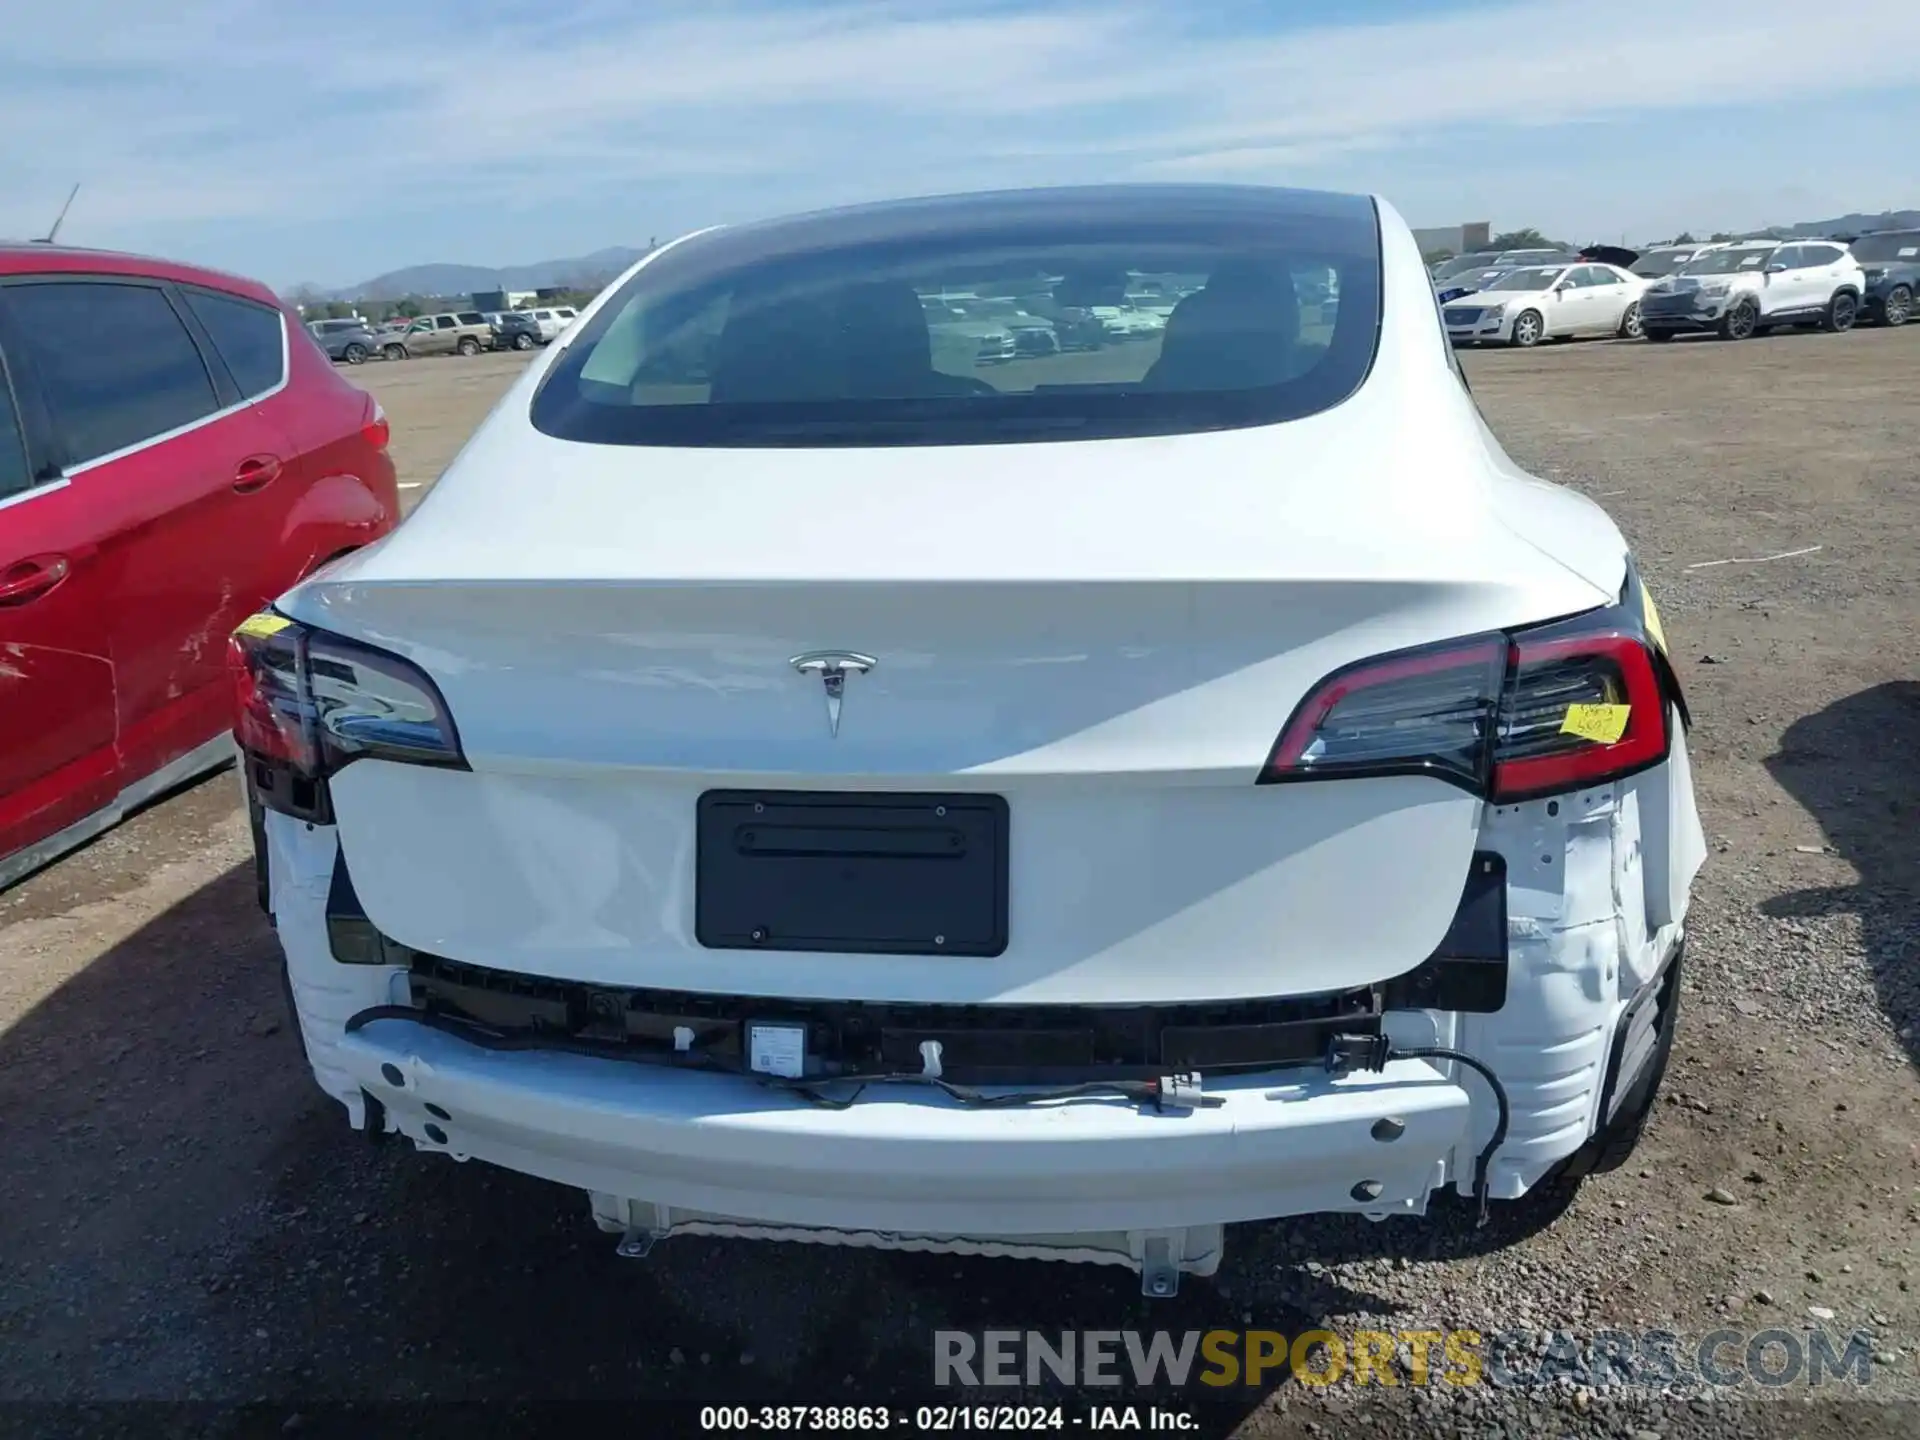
1509	716
1581	705
306	703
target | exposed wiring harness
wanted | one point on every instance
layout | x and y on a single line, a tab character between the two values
1169	1092
1347	1053
1166	1092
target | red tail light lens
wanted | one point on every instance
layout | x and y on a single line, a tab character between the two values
270	717
1427	711
368	702
1509	717
377	432
307	703
1580	708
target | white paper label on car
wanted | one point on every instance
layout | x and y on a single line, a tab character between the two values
777	1050
1906	250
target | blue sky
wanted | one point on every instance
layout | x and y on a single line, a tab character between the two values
332	142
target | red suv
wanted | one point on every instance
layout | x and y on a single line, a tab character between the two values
175	451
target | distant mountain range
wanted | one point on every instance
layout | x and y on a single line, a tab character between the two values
584	270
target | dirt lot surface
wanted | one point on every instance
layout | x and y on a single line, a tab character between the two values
183	1216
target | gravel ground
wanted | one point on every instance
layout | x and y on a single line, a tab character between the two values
185	1218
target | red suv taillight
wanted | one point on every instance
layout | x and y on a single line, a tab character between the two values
377	432
1510	716
307	703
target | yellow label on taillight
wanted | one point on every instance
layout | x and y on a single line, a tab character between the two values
262	625
1652	613
1602	724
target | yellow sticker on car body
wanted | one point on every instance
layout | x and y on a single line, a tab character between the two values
1603	724
260	626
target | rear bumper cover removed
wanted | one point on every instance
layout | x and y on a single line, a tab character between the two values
1594	906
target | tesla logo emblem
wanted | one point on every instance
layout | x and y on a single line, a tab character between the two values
833	667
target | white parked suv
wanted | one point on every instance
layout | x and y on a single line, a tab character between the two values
552	321
1747	289
1256	796
1548	302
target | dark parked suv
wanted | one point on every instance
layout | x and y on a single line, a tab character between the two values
514	331
348	340
1891	259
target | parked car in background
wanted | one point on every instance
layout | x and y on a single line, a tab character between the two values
175	449
1890	271
1447	270
348	340
390	339
553	320
1665	259
463	332
1477	277
1040	339
1548	302
515	331
1746	289
1204	843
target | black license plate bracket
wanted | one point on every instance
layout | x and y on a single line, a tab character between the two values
878	874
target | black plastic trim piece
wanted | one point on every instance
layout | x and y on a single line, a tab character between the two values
352	938
283	788
1467	971
1655	991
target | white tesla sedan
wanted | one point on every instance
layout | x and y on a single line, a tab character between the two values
786	789
1549	302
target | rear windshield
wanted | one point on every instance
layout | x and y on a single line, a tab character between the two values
1056	315
1461	264
1897	245
1527	279
1726	262
1655	263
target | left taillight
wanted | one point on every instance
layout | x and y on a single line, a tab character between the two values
1509	716
307	703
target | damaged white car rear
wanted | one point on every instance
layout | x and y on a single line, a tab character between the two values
787	789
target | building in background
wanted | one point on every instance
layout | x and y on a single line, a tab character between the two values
1456	239
493	301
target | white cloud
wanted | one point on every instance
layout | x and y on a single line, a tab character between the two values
221	112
